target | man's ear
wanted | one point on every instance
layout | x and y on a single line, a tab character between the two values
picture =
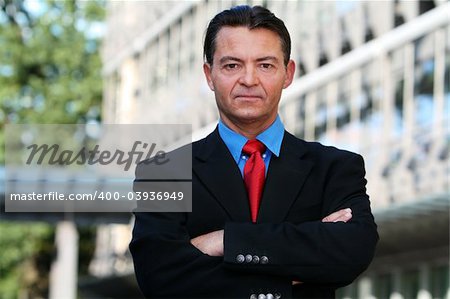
290	71
207	70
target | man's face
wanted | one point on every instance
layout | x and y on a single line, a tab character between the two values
248	75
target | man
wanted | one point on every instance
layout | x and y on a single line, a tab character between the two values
273	216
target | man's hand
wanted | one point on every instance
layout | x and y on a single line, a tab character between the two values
210	243
343	215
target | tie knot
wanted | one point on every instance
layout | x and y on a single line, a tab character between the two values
253	146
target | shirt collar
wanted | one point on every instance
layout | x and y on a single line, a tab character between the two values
271	137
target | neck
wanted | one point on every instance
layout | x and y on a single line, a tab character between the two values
249	129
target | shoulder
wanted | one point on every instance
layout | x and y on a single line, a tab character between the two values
175	164
180	159
319	152
210	140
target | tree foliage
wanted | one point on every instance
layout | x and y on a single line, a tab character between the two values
50	72
50	68
27	251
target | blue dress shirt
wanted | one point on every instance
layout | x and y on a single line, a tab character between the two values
271	138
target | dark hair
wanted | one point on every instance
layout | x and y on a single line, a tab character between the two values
250	17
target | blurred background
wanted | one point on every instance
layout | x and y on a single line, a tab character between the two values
372	77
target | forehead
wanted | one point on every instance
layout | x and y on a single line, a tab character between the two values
245	43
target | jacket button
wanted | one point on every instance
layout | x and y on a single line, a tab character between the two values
255	259
264	260
253	296
248	258
261	296
240	258
277	295
270	296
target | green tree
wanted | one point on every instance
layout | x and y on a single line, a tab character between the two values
27	251
50	67
50	72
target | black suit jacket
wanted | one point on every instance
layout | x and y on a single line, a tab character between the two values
307	182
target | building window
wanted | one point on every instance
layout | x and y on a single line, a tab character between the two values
426	5
398	103
370	113
300	124
345	42
424	80
439	284
399	19
301	70
368	36
410	284
383	286
447	75
366	105
321	113
423	92
343	105
397	58
447	69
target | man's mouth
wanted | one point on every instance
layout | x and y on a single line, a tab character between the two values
248	96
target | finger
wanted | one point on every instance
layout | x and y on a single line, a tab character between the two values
333	216
194	242
344	218
197	241
341	215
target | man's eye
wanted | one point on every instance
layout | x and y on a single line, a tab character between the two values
231	66
266	66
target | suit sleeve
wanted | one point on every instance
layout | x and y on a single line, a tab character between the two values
313	252
168	266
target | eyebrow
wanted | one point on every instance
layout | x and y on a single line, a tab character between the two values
231	58
273	58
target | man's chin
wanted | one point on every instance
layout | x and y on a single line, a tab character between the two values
251	117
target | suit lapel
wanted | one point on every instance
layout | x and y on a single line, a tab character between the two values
217	170
285	177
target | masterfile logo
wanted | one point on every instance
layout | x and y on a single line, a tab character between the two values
91	168
54	155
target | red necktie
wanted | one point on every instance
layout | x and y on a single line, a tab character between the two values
254	174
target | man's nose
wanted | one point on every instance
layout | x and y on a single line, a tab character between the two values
249	77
